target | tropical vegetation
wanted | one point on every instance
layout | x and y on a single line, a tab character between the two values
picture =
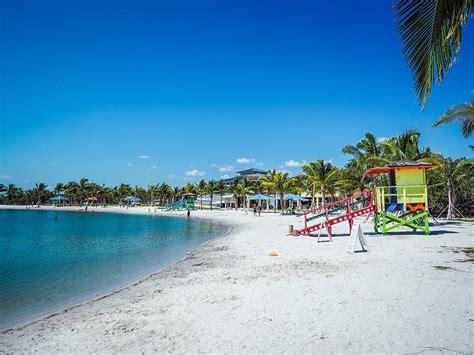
451	184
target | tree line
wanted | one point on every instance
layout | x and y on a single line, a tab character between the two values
451	185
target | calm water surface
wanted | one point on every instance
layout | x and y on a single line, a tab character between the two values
50	259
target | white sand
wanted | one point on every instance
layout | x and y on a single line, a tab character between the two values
229	295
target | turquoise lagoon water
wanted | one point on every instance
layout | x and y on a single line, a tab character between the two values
51	259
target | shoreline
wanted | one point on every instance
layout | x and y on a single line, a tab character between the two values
230	295
64	309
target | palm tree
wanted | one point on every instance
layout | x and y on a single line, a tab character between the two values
268	183
211	188
464	113
233	189
431	34
242	189
221	188
404	146
58	188
454	171
188	188
201	190
40	190
71	190
12	193
123	191
319	175
283	184
83	189
369	148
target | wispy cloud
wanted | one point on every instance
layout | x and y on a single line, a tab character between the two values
259	164
292	164
245	161
144	156
381	139
154	167
223	168
5	177
223	177
129	165
195	172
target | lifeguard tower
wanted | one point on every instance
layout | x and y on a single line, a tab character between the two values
404	203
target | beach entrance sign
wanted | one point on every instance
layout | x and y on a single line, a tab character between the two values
357	235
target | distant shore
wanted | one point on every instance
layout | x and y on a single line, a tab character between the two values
409	293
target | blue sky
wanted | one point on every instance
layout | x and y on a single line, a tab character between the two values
149	91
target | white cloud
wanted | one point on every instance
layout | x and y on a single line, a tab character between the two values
144	157
381	139
259	164
195	172
329	161
223	177
245	161
223	168
154	167
129	165
5	177
292	164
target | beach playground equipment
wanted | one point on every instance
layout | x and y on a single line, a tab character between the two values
186	202
404	203
343	210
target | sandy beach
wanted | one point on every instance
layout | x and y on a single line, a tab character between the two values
409	293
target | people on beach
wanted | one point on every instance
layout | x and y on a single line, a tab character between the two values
189	213
254	209
259	209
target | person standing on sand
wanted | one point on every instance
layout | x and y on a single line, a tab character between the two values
259	210
254	209
189	213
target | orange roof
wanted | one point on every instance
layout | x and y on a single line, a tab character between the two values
420	165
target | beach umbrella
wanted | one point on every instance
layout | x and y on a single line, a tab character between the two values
293	197
259	197
132	199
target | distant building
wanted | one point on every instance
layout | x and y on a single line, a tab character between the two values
249	174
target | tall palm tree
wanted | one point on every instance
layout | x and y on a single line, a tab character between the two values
404	146
283	184
71	190
12	193
123	191
211	188
454	172
431	34
188	187
464	113
152	192
242	189
201	190
58	188
366	149
83	189
319	175
268	183
40	191
221	188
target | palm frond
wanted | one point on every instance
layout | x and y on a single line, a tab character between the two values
463	113
431	37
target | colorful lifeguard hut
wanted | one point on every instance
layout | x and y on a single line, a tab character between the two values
404	203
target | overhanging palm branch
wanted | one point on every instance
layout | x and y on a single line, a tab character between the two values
464	113
431	37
